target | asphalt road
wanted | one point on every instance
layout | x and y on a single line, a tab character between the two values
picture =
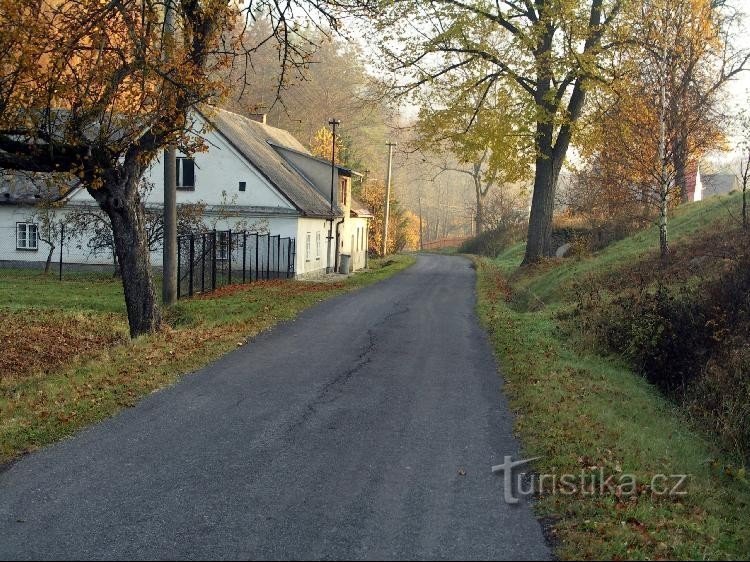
343	434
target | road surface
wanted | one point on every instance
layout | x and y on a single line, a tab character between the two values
366	428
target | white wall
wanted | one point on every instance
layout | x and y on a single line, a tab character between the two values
316	261
218	170
74	251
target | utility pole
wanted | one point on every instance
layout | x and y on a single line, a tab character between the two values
365	179
169	259
390	146
333	123
421	230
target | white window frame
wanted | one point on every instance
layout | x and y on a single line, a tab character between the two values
317	245
308	246
30	242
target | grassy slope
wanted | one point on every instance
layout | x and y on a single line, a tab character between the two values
39	406
578	410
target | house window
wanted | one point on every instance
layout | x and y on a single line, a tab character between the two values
342	196
27	236
222	246
317	245
307	247
243	186
185	173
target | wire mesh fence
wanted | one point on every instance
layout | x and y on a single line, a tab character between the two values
206	260
28	248
209	260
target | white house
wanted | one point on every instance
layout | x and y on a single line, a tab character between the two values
252	174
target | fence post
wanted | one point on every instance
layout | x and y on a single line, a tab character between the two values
213	262
203	262
293	262
268	258
278	256
192	263
229	235
257	245
62	241
288	257
244	254
179	269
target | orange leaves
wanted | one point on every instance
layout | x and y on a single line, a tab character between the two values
45	340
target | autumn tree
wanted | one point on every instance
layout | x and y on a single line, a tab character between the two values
703	59
86	89
546	53
489	142
659	116
403	225
322	145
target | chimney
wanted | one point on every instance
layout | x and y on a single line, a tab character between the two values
259	117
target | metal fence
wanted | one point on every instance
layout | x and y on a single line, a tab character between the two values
26	249
206	260
209	260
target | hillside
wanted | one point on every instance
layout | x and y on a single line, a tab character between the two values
593	351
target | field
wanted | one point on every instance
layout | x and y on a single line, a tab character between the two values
67	360
586	413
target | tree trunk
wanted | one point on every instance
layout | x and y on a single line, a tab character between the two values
664	177
744	207
121	202
480	212
48	263
539	242
663	233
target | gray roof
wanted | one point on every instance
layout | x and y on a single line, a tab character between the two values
253	140
719	184
360	209
26	188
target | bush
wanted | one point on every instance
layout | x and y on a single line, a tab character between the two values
665	336
492	243
720	398
692	343
587	238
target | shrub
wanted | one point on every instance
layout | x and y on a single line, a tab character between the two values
665	336
693	343
492	243
720	398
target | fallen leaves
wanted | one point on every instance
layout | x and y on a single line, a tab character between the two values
37	341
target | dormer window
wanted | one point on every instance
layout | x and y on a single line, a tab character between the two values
185	173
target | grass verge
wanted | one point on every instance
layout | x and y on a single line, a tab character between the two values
585	414
91	380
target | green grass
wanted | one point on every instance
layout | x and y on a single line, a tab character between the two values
576	409
551	284
30	289
41	405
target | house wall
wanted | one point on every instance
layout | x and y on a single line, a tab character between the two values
218	173
315	261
